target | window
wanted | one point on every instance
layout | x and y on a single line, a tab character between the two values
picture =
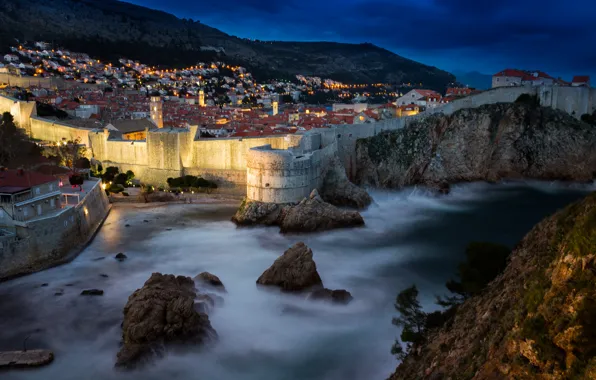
37	191
52	203
25	212
38	209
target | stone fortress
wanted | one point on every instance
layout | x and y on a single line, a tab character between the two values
277	169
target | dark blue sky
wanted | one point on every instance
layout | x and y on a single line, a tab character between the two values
556	36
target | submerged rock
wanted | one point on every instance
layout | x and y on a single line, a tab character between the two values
253	213
210	280
313	214
339	191
92	292
340	296
160	314
294	271
120	256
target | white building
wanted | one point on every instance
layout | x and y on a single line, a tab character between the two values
425	98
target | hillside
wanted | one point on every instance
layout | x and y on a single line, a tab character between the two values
110	29
534	321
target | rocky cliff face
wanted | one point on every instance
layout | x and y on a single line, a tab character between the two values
487	143
534	321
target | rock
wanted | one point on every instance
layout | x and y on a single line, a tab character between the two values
29	358
160	314
59	292
314	214
44	285
127	225
98	258
104	275
253	213
210	280
92	292
339	191
121	257
204	303
340	296
294	271
487	143
69	285
145	221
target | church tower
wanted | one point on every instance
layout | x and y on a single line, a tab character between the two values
157	111
201	98
275	106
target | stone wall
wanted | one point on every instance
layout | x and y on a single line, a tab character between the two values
55	131
21	111
51	83
53	240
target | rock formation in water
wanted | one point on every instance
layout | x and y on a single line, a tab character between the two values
160	314
339	191
488	143
210	280
294	271
534	321
310	215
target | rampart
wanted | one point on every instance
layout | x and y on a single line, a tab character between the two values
55	239
20	110
51	82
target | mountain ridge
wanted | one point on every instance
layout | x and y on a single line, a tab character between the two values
112	29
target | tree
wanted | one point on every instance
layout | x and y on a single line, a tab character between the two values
484	262
68	153
15	147
411	318
287	99
110	174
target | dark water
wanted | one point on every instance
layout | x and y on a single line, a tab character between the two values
410	237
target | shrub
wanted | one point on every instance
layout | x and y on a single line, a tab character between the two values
121	179
189	181
116	188
125	193
590	119
76	179
83	163
110	174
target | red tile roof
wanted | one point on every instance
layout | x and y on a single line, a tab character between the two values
581	79
510	73
16	180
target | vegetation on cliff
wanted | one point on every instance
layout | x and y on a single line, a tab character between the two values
534	321
487	143
112	29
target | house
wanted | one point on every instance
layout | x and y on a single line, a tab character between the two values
538	78
27	195
132	129
11	58
426	98
508	77
581	81
458	91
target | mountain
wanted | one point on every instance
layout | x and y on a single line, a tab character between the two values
474	79
533	321
110	29
487	143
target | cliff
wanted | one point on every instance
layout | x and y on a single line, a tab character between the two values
534	321
110	29
488	143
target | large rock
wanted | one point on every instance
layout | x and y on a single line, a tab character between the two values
210	280
23	359
310	215
253	213
159	314
339	191
294	271
487	143
313	214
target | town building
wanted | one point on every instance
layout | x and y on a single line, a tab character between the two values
420	97
581	81
27	195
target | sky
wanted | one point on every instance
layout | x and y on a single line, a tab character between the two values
556	36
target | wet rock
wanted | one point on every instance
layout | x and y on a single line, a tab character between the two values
145	221
98	258
313	214
104	275
339	191
127	225
160	314
121	256
44	285
257	213
59	292
204	303
209	280
29	358
69	285
293	271
340	296
92	292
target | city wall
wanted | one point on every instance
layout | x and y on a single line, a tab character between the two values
55	239
20	110
50	83
53	130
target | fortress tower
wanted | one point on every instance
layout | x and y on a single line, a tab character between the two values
275	106
156	107
201	98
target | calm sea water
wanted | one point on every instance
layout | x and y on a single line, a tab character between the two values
410	237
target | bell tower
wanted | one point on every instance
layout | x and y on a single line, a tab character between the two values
275	106
156	111
201	98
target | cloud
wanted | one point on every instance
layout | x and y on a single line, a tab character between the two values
551	35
